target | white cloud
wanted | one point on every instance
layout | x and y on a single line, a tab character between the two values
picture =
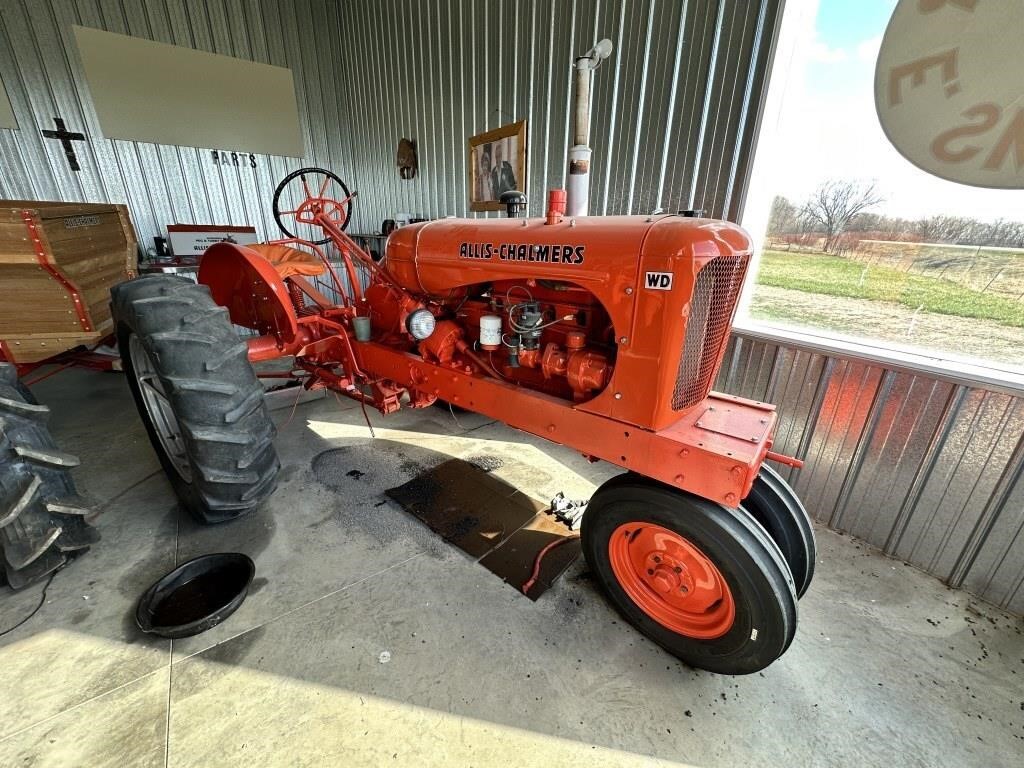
823	54
868	49
818	132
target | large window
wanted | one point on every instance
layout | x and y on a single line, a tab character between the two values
858	243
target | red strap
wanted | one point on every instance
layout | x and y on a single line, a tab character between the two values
71	288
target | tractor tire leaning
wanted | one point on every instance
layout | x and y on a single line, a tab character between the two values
703	581
43	521
198	396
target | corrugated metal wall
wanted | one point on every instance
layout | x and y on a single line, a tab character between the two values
40	66
674	107
928	470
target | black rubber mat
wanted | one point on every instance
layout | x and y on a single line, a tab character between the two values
514	560
490	520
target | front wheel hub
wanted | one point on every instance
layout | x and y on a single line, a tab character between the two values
671	580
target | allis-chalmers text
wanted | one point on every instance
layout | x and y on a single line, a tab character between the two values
546	254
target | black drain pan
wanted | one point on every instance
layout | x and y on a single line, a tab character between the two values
196	595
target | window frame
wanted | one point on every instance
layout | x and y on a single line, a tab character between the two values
797	17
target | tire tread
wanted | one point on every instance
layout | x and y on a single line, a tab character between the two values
756	561
43	520
213	389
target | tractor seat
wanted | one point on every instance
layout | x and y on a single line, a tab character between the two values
290	261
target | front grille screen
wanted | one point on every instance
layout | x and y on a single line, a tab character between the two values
707	331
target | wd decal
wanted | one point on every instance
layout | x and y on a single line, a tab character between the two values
658	281
544	254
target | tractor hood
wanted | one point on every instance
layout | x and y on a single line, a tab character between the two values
435	257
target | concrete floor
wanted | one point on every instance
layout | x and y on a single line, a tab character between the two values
888	668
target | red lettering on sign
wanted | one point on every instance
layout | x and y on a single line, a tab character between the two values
1013	137
989	116
916	70
929	6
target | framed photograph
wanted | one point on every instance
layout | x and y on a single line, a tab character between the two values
497	163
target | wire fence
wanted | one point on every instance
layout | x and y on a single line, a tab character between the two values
998	271
995	270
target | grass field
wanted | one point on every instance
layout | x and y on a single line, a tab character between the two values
993	270
837	276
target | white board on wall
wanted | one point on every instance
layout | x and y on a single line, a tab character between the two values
6	113
168	94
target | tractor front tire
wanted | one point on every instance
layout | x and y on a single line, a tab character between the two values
43	520
198	396
703	581
778	510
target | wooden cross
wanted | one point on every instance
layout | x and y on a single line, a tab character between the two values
66	137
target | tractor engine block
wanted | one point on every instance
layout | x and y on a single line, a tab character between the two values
554	338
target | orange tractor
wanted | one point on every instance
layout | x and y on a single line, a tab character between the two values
599	333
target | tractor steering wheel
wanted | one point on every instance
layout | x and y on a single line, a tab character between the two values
316	199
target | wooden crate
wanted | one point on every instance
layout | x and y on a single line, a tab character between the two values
58	262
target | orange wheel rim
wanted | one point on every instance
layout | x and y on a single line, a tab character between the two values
671	580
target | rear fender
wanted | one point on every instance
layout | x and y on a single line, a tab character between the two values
251	289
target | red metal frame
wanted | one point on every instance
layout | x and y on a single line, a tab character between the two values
714	449
79	358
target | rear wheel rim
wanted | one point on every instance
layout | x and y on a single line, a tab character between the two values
158	408
671	580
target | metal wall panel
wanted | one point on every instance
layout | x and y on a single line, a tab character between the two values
162	184
928	470
674	107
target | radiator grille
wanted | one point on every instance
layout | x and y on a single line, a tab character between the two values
707	331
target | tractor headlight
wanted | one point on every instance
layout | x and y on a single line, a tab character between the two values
420	323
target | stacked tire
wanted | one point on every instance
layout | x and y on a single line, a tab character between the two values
43	520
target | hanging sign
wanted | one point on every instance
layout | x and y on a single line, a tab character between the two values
949	89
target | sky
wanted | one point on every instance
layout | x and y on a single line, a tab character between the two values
828	128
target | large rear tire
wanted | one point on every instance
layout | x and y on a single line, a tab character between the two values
198	396
703	581
43	520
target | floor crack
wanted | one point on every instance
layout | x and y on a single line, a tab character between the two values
170	657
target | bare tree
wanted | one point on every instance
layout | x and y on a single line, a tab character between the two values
947	229
883	227
1001	232
783	218
956	230
835	203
